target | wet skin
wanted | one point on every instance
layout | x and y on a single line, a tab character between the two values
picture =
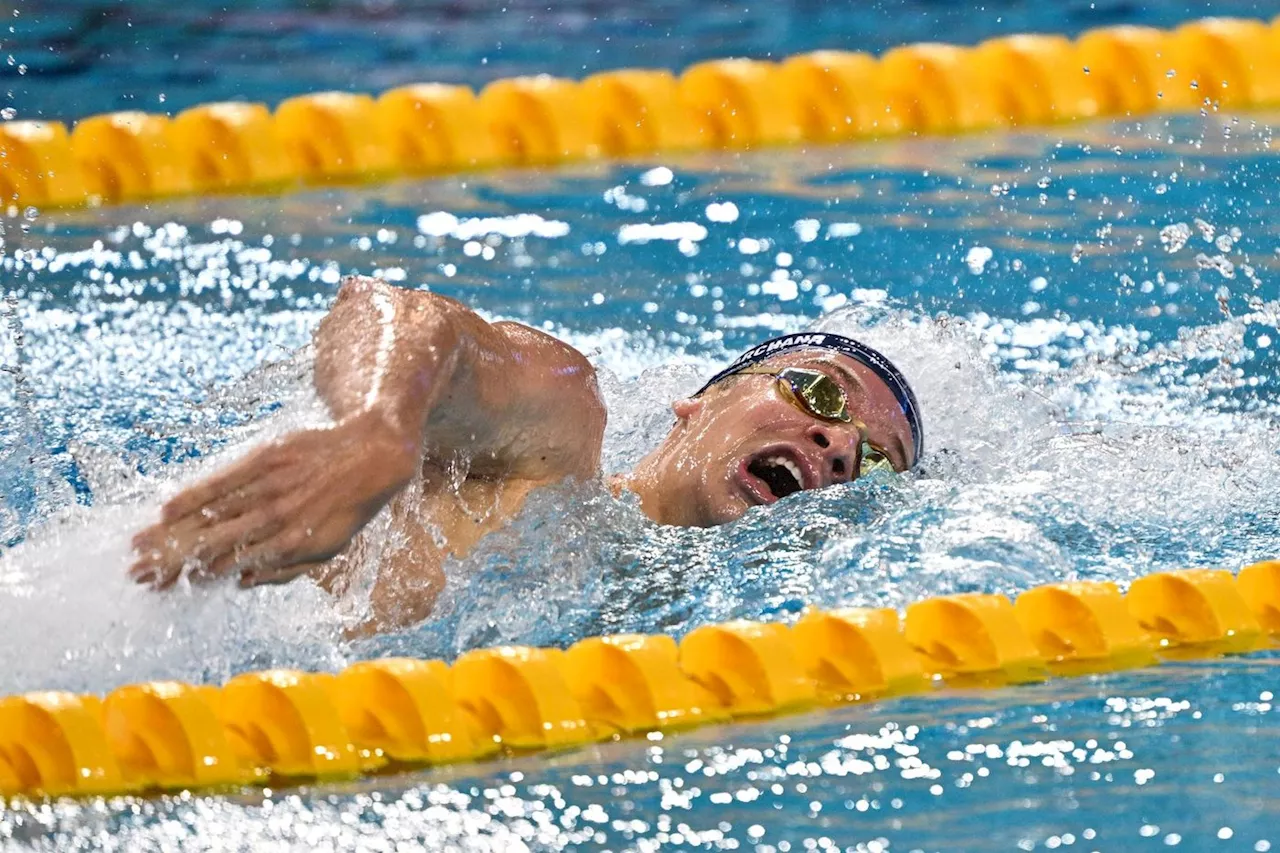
453	421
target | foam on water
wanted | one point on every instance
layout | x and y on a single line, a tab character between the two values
1111	466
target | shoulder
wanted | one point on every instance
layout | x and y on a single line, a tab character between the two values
543	346
559	389
548	360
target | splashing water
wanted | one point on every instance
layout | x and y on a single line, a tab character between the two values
1068	436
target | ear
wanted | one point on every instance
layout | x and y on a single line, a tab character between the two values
686	408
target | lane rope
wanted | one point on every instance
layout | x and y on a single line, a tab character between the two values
390	714
822	97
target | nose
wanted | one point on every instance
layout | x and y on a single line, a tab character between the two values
839	444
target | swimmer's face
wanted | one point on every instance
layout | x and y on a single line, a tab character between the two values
743	444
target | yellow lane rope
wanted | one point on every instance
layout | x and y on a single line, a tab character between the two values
821	97
393	713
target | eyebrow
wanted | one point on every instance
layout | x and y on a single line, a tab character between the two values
848	375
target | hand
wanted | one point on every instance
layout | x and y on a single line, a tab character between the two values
283	508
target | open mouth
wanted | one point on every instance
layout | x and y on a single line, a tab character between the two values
780	475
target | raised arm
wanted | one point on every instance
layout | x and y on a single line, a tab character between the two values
407	375
437	376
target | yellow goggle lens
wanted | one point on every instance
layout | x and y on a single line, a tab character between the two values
816	392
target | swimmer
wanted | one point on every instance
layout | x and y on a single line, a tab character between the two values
419	386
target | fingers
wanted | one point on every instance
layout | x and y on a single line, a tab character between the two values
164	552
209	491
203	524
280	558
250	577
235	503
211	510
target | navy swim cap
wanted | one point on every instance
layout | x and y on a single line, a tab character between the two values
859	352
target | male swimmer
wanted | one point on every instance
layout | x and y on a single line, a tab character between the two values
419	385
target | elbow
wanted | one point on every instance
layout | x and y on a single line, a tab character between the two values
354	286
360	289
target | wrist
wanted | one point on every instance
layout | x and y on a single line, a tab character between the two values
387	438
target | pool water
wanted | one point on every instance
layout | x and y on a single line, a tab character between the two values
1089	315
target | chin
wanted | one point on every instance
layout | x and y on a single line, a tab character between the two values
728	509
732	515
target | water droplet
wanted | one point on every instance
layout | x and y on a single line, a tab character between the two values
31	213
1225	268
1175	236
977	258
8	113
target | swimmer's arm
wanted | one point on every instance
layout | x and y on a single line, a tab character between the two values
406	374
429	372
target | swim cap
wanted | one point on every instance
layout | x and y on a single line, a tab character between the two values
859	352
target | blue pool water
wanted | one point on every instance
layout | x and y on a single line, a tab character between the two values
1089	313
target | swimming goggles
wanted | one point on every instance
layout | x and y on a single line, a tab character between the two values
818	395
856	350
